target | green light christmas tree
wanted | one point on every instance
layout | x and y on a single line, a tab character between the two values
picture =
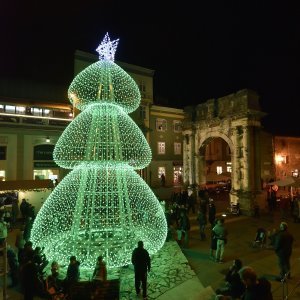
102	207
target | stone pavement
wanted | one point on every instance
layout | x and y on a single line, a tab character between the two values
242	232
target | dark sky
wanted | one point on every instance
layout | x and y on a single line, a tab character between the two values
198	49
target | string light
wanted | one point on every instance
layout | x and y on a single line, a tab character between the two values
102	207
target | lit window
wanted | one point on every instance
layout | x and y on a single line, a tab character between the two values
228	167
10	109
161	124
20	109
36	111
177	148
295	173
2	175
219	170
177	125
161	147
280	159
161	170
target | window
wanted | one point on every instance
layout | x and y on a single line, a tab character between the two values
10	109
161	124
219	170
177	148
177	125
2	175
142	88
36	111
161	170
20	109
228	167
143	115
3	152
161	148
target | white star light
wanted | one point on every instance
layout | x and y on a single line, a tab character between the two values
107	48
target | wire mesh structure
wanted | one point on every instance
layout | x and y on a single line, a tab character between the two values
102	207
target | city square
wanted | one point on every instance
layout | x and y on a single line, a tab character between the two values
119	182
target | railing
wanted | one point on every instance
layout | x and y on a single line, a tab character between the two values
34	120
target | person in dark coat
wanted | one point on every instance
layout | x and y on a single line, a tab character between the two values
234	285
211	212
13	266
73	274
142	263
256	288
283	249
31	284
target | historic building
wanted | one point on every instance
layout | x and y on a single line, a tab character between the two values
236	120
33	116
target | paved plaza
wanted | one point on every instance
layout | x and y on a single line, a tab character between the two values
190	274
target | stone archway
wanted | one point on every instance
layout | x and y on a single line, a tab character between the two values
236	120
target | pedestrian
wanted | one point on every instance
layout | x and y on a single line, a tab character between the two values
211	212
283	249
202	221
234	285
3	231
256	288
163	179
221	235
13	266
24	208
142	264
183	229
73	274
100	271
213	242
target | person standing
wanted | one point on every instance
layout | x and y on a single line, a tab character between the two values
183	229
73	275
211	212
202	221
220	233
100	271
163	179
283	249
142	264
3	231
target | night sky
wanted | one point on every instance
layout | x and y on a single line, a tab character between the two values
198	50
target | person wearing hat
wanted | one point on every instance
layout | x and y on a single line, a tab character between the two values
283	249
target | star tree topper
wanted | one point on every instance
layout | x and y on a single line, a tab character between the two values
107	48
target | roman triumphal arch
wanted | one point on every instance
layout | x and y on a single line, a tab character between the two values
236	119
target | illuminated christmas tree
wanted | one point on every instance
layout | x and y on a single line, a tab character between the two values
102	207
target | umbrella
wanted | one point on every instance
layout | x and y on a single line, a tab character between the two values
288	181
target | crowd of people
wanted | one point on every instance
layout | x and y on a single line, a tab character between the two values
27	265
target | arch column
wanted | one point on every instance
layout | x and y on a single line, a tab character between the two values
247	153
192	176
